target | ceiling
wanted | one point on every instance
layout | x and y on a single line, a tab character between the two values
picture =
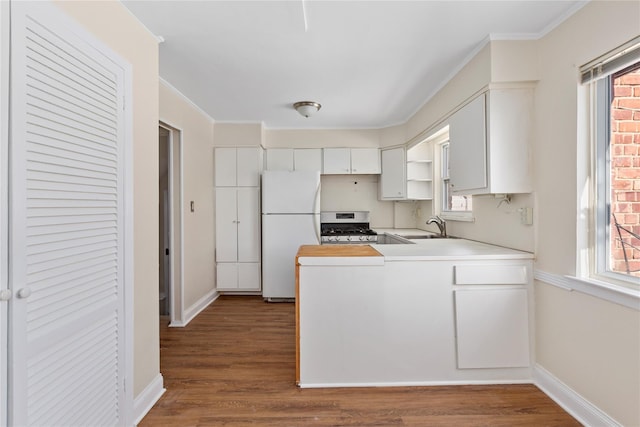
371	64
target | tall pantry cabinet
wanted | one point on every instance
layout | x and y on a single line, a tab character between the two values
237	186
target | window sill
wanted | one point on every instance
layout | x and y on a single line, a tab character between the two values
607	291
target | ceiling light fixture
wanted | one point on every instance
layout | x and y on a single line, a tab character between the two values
307	108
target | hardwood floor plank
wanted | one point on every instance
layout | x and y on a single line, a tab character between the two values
234	365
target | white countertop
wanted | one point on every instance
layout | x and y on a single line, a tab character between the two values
442	249
447	249
421	250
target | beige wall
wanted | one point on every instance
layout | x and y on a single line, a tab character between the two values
197	183
110	22
238	134
277	138
590	344
496	62
469	80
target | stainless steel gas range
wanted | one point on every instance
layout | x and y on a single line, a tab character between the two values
346	227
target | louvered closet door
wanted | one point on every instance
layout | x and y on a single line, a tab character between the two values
66	242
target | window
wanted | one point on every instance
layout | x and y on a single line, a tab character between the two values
615	103
452	206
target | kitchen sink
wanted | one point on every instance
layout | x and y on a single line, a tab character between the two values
428	236
390	239
394	239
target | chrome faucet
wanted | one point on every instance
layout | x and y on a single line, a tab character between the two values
442	226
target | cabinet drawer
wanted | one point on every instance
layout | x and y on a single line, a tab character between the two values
490	274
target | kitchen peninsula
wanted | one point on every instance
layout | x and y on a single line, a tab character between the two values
440	311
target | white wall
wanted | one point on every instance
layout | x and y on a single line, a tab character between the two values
197	183
114	25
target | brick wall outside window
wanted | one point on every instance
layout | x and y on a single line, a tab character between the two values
625	171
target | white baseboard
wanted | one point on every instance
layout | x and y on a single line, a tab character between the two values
191	312
580	408
147	398
413	383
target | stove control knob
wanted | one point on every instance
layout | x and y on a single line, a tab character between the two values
348	238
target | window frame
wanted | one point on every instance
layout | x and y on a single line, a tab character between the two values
444	210
594	233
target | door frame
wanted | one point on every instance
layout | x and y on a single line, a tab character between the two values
4	204
176	224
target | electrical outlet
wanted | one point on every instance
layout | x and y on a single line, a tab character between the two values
526	216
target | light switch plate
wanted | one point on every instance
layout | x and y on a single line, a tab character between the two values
526	216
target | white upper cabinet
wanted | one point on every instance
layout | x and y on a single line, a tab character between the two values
307	159
238	166
393	184
407	174
365	161
467	147
280	159
489	143
290	159
338	161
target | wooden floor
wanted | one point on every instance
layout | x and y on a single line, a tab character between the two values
234	365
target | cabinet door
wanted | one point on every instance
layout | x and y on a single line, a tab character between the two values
226	225
492	328
336	161
225	164
393	177
280	159
307	159
365	160
248	166
248	223
249	276
227	275
468	148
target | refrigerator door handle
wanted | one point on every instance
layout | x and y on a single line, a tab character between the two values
316	227
316	210
316	200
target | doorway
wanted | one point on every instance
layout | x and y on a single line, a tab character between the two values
170	224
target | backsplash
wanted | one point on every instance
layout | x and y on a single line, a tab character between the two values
356	192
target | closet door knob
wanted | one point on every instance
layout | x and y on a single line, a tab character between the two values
24	293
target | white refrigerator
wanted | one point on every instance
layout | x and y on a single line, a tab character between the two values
290	218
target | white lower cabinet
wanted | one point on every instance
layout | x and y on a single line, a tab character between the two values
492	328
492	314
397	323
238	276
238	238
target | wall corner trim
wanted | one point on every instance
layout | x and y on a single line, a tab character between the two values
143	403
185	98
195	309
580	408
